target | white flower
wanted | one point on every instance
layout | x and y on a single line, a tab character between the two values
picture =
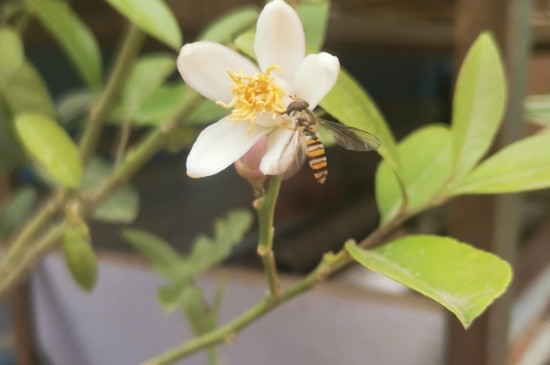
258	96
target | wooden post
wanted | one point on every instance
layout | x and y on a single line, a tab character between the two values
490	222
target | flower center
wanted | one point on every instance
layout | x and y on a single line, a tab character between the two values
254	95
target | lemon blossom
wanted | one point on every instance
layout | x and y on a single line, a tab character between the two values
258	95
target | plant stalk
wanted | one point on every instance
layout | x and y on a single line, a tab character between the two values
265	207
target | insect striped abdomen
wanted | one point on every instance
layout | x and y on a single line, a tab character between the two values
317	158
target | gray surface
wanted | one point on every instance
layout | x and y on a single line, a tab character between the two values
121	323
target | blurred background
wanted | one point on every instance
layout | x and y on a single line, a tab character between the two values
406	54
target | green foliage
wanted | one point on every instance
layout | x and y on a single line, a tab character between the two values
49	144
153	17
225	28
17	210
425	156
245	43
79	256
478	104
148	74
314	18
521	166
351	105
122	206
74	37
27	92
460	277
12	54
164	258
162	104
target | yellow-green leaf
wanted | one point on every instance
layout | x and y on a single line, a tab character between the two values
12	54
478	104
153	17
79	256
74	37
350	104
521	166
425	156
462	278
51	147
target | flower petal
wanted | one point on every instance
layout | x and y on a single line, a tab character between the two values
315	77
204	65
280	39
282	145
221	144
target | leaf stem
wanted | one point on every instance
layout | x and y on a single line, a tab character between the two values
130	47
265	206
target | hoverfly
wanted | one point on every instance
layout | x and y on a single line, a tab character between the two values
307	124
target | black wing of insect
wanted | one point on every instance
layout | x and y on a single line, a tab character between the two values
350	138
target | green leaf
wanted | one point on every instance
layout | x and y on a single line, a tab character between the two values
314	17
207	112
11	153
74	37
163	103
478	104
537	109
75	105
153	17
245	42
226	27
521	166
12	54
425	156
120	207
351	105
462	278
79	256
147	76
164	258
207	252
27	92
19	207
51	146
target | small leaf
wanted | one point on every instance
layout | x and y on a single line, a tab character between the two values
351	105
153	17
314	19
164	103
164	258
74	105
460	277
12	54
73	35
426	159
148	74
521	166
207	252
18	209
27	92
51	146
207	112
245	42
227	26
79	256
478	104
122	206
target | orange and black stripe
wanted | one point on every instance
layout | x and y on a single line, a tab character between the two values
317	158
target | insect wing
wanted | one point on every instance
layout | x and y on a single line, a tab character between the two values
349	137
292	155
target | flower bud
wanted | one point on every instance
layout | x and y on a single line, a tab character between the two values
248	166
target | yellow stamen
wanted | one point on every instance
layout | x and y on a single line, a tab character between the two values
254	95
